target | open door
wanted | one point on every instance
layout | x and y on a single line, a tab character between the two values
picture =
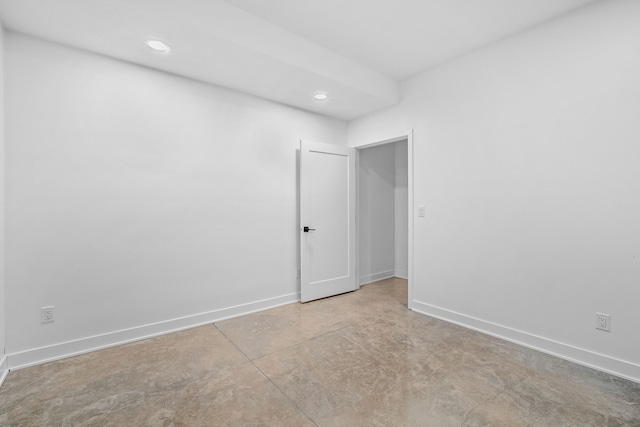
327	220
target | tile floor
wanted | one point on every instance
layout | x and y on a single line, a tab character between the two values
359	359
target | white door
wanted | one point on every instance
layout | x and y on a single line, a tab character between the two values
327	220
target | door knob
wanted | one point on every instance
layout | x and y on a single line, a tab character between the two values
307	229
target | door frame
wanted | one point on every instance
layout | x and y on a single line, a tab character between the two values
408	136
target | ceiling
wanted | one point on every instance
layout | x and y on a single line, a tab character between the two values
357	51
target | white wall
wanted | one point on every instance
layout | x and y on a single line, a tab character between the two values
401	200
138	199
376	194
3	366
526	156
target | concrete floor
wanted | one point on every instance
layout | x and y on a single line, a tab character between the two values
359	359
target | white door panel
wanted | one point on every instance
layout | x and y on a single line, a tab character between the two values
327	207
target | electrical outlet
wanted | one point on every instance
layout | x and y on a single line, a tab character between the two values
47	314
603	322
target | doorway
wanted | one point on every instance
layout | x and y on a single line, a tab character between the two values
384	204
383	235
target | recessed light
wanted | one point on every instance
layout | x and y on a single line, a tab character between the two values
158	45
320	96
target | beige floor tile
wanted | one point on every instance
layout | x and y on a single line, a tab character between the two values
358	359
237	396
116	377
262	333
531	404
566	395
341	380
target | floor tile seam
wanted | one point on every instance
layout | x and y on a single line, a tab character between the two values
216	372
299	343
291	400
232	343
339	336
251	361
361	346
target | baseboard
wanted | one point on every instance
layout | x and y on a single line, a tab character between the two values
370	278
4	369
402	274
45	354
613	366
